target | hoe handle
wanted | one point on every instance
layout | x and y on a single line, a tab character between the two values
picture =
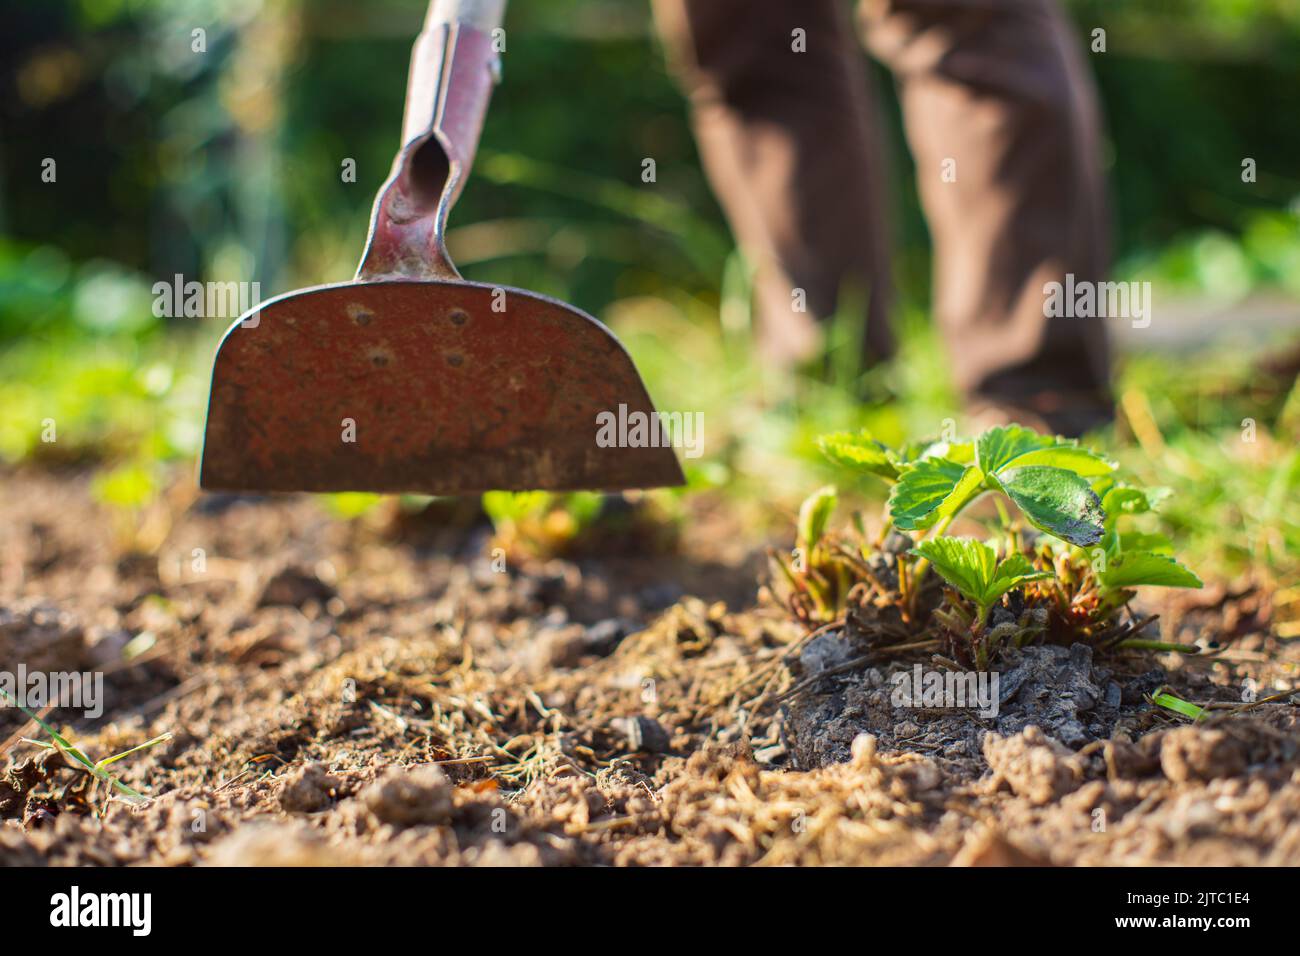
454	66
453	69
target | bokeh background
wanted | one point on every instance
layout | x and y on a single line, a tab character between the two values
226	166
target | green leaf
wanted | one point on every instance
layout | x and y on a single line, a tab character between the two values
1013	446
908	453
972	567
1115	543
999	446
1014	572
814	514
1119	500
966	564
1071	457
1056	501
1143	541
969	487
927	486
1135	568
859	452
962	452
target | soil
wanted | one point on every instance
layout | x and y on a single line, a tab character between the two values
380	691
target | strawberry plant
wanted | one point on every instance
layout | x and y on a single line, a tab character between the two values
1056	568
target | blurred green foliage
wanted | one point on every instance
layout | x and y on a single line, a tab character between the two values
1223	430
226	165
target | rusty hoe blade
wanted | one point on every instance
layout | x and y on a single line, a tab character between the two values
409	378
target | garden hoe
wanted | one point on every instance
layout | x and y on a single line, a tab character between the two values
409	378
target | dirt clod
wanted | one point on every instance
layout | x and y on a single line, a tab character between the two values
406	797
307	789
1033	765
264	843
1193	753
1060	691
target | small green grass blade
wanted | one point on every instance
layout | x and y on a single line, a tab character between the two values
161	738
1178	705
1138	644
63	745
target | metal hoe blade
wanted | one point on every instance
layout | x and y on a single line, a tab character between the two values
422	387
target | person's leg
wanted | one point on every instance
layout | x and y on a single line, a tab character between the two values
1002	120
788	142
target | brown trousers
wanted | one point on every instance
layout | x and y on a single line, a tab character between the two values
1002	121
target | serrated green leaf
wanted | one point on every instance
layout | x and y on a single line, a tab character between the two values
859	452
1013	446
908	452
1012	573
972	567
904	457
968	488
1133	569
814	514
966	564
1001	445
929	490
1056	501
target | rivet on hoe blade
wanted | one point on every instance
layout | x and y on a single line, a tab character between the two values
444	386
